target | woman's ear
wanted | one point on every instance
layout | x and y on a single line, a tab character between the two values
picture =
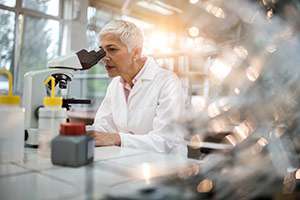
136	52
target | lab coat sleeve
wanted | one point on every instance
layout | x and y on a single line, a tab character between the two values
162	138
103	119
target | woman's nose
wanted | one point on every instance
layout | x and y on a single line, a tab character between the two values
105	59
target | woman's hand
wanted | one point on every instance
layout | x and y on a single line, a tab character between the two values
105	139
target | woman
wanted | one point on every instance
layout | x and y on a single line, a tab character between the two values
142	98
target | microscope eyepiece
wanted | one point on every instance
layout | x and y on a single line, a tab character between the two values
90	58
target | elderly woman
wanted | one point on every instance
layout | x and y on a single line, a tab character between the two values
142	98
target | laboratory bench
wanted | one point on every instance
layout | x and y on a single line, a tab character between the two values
114	170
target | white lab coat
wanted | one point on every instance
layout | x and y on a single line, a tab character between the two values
154	102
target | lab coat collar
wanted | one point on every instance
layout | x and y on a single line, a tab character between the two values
151	69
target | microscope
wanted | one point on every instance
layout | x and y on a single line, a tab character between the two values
62	69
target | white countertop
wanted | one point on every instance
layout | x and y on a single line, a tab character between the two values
37	178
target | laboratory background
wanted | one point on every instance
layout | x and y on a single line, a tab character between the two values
239	67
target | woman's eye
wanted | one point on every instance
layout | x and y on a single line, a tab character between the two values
112	49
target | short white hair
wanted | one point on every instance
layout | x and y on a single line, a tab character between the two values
128	32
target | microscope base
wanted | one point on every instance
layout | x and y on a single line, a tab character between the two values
32	139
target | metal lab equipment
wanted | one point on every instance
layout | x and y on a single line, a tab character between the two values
253	103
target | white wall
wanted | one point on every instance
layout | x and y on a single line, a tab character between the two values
75	27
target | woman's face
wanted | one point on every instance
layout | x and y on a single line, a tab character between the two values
118	60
